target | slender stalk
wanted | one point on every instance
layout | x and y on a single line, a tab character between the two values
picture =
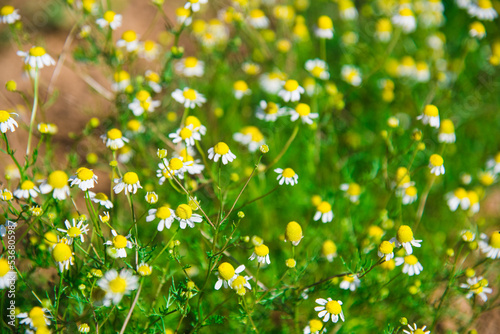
285	148
132	308
33	112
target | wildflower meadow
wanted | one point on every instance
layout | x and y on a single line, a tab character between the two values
250	166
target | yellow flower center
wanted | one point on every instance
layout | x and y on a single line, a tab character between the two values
4	116
411	191
473	197
101	197
163	212
484	4
486	178
436	160
271	108
256	13
130	178
74	232
144	270
109	16
257	136
324	22
189	94
194	121
186	133
411	260
303	109
447	126
291	85
404	234
133	125
495	239
226	271
184	211
7	10
129	36
61	252
384	25
348	278
121	76
333	307
419	331
114	134
4	267
315	325
375	231
324	207
119	241
316	71
460	193
182	12
468	236
149	46
118	285
58	179
238	282
175	164
354	189
190	62
142	95
241	86
386	247
288	172
406	12
328	247
431	110
37	51
221	148
36	312
261	250
153	76
27	185
293	232
84	174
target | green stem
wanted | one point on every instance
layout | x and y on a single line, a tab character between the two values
33	112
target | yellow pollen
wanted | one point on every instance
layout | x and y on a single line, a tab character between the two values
37	51
333	307
238	282
256	13
175	164
194	121
189	94
142	95
447	126
436	160
325	23
61	252
114	134
184	211
303	109
129	36
186	133
386	247
74	232
384	25
473	197
495	239
419	331
58	179
4	267
411	191
468	236
431	110
121	76
144	270
404	234
153	76
133	125
484	4
241	86
324	207
261	250
291	85
328	248
4	116
109	16
130	178
84	174
221	148
271	108
411	260
288	172
315	325
6	10
101	196
316	71
226	271
293	232
118	285
149	46
460	193
257	136
354	189
163	212
348	278
36	312
190	62
406	12
119	241
27	185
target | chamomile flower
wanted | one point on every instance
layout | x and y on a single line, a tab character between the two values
436	164
37	317
221	150
477	286
261	252
62	254
477	30
37	57
7	122
287	176
129	41
129	182
351	75
293	233
101	199
7	275
240	89
416	330
197	126
406	67
153	80
240	283
185	134
404	237
303	111
383	30
474	201
121	81
324	212
324	27
227	274
188	97
352	190
193	166
405	19
447	132
291	91
411	265
329	309
105	217
143	102
490	245
468	236
6	195
269	111
183	16
116	285
120	243
386	250
422	72
272	82
430	116
483	10
47	128
149	50
114	139
318	68
494	163
257	19
250	136
184	214
9	15
409	195
194	5
144	269
314	326
164	214
347	10
57	182
458	198
329	250
110	19
250	68
190	67
350	282
76	229
26	190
